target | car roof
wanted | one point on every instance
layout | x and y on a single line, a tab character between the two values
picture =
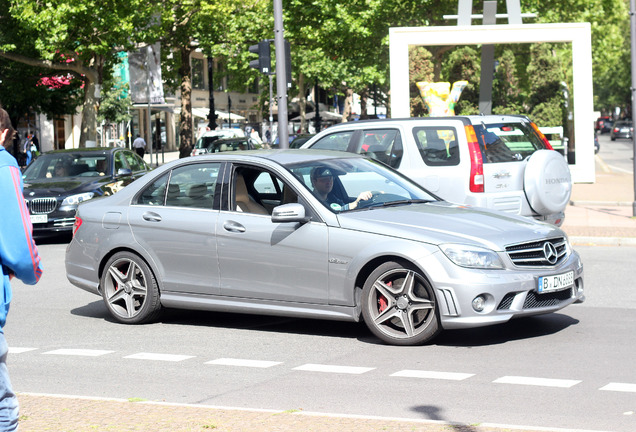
466	119
231	140
85	151
281	156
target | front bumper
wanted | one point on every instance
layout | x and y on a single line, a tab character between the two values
509	293
56	222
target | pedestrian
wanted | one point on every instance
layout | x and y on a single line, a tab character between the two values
18	257
27	149
140	146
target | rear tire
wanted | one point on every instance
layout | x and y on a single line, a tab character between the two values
130	289
399	306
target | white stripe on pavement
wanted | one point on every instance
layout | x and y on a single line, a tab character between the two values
621	387
160	357
18	350
243	362
79	352
544	382
333	369
453	376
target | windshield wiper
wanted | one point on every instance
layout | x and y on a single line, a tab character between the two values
402	202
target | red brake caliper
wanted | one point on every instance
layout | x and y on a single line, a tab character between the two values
383	303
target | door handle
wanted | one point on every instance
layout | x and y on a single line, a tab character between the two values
232	226
151	217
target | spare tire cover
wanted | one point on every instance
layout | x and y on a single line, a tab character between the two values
547	182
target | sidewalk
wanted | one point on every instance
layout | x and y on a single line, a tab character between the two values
40	413
601	213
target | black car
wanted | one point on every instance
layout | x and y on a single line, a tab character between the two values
622	129
57	181
299	140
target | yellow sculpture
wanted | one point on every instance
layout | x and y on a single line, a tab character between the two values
439	98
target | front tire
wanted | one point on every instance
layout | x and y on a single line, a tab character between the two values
130	289
398	305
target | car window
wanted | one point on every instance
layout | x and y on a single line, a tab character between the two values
61	165
437	145
384	145
335	141
134	161
191	186
351	177
507	142
155	193
258	191
120	162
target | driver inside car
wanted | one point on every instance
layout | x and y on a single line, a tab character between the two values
322	179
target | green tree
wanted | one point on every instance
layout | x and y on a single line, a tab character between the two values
506	97
464	63
545	102
26	89
222	30
79	36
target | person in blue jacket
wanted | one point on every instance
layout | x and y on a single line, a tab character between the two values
18	256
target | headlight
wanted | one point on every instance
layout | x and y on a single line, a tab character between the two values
73	200
472	256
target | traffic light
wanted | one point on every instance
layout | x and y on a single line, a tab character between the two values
264	63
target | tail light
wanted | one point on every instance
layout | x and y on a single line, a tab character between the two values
541	136
77	224
476	161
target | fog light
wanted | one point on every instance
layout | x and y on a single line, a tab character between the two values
479	303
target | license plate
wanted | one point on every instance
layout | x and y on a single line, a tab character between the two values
35	219
556	282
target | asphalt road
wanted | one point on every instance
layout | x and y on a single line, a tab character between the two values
573	369
618	155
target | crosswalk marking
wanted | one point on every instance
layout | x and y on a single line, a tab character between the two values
453	376
620	387
333	369
80	352
160	357
243	362
312	367
544	382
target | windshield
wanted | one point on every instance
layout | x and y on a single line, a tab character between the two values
343	181
64	165
507	142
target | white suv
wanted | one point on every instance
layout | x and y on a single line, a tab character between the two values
499	162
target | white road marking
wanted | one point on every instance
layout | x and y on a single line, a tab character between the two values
333	369
243	363
20	350
453	376
544	382
79	352
160	357
621	387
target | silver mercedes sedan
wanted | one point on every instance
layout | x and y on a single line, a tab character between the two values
315	234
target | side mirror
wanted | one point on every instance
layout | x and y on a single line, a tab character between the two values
124	172
293	212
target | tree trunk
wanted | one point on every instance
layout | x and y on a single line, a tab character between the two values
185	119
364	97
348	106
92	93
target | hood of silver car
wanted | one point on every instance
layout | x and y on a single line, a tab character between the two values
442	222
